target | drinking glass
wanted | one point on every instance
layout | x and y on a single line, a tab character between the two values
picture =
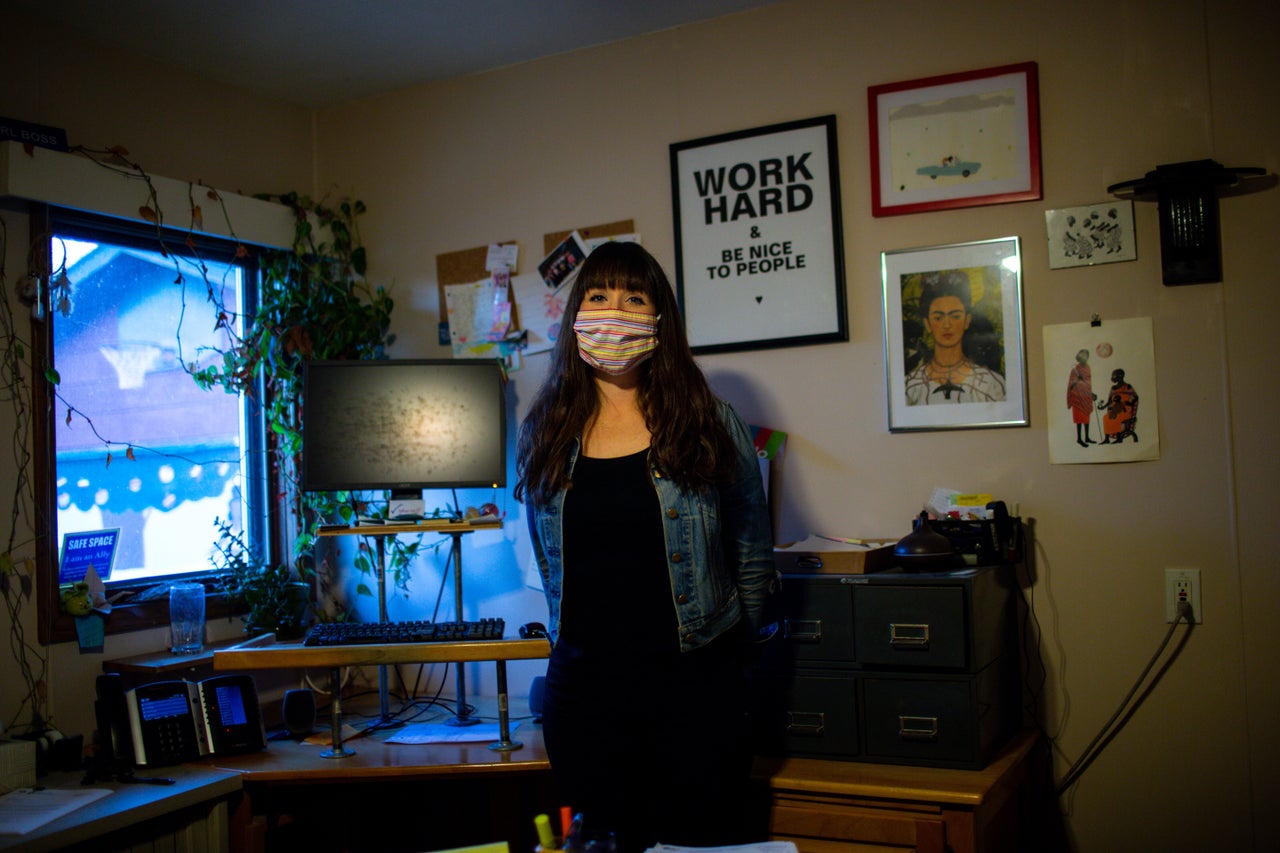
186	618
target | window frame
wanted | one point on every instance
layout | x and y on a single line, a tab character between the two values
262	526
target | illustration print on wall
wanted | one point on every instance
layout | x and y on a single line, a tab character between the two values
1091	234
1100	391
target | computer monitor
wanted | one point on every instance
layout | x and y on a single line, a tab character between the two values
402	425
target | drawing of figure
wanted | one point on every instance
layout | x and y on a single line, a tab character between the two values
1121	408
1080	397
949	375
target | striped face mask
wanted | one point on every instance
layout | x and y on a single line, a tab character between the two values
613	340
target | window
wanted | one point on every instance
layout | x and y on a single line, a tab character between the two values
132	442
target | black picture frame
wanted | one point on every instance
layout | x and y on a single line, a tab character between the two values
758	237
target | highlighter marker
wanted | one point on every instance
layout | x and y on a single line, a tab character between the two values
546	839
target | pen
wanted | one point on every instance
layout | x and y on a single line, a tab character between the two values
546	839
566	821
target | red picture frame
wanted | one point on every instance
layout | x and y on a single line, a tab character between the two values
955	140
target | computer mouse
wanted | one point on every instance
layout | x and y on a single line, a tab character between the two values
533	630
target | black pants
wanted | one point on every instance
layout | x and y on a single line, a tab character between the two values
652	750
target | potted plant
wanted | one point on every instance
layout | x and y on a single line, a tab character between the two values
276	601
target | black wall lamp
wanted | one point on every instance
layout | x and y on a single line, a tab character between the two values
1187	197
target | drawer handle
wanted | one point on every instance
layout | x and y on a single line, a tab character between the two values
806	723
802	630
909	634
918	728
809	563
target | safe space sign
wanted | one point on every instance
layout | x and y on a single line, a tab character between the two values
759	261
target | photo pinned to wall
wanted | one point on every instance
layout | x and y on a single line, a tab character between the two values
954	349
759	257
1091	234
1100	391
955	140
561	263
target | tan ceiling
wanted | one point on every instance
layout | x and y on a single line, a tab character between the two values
322	52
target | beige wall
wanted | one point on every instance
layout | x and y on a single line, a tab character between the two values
177	126
1124	86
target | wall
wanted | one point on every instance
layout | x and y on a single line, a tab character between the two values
177	126
583	138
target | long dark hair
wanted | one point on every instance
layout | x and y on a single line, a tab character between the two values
690	443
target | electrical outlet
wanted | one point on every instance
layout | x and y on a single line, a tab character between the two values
1182	585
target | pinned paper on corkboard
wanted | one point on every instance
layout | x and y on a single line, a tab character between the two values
462	267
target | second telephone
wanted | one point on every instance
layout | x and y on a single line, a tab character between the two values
176	721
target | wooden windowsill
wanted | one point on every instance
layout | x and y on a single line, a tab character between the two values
163	662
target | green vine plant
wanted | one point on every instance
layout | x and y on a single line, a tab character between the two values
17	563
315	303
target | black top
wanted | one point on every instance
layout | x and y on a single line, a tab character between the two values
617	592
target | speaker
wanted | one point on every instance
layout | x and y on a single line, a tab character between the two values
299	712
537	690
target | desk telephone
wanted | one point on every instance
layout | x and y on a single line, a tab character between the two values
169	722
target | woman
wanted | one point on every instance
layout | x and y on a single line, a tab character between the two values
1080	397
649	524
949	375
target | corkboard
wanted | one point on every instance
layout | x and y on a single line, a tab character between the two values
464	267
609	229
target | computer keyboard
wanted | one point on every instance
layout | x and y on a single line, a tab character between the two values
386	633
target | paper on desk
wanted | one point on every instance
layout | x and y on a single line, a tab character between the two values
444	733
31	808
758	847
815	542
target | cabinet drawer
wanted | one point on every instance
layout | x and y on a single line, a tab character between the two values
806	712
817	622
939	720
910	626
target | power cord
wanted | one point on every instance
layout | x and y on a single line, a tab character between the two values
1125	712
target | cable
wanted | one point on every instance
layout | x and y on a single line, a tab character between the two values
1107	732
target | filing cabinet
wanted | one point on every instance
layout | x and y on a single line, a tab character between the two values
893	667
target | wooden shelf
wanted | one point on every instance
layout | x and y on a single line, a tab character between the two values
281	655
427	525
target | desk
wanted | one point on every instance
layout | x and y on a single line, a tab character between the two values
334	657
825	805
191	815
455	527
391	796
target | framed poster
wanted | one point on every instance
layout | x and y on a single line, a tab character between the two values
957	140
954	348
759	253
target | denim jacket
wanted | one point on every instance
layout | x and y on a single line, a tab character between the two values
719	546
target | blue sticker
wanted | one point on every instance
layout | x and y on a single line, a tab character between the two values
95	548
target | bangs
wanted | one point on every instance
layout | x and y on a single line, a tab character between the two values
617	266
